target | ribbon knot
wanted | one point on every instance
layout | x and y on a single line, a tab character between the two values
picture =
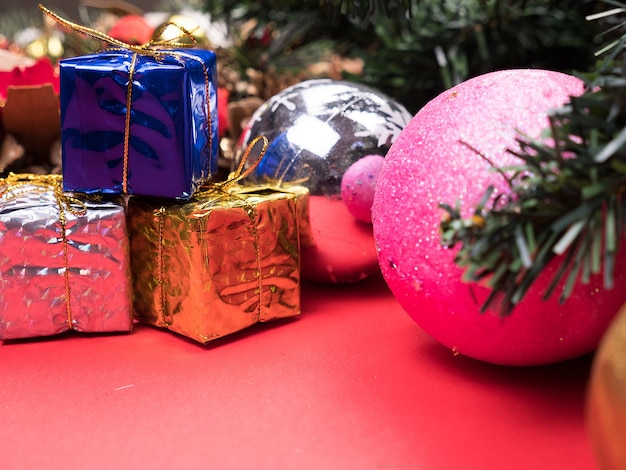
214	192
240	172
21	183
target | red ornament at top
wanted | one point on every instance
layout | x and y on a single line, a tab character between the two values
132	29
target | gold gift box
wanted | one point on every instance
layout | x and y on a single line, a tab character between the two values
219	263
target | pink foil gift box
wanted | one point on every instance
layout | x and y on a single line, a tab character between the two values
64	260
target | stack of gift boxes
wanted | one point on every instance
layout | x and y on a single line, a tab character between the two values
136	229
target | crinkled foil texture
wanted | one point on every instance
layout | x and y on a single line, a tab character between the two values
217	264
170	128
32	265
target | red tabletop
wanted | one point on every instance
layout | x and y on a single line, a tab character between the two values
353	383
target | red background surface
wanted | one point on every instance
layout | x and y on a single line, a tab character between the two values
351	383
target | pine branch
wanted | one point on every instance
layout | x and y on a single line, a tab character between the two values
363	12
414	50
567	201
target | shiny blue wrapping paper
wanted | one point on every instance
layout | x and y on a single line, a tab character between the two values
173	140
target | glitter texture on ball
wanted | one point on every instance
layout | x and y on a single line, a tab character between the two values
358	185
435	159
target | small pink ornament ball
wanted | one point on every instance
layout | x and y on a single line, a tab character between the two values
435	160
358	184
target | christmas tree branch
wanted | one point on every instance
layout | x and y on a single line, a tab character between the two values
567	199
414	50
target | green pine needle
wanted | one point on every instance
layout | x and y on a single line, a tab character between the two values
567	197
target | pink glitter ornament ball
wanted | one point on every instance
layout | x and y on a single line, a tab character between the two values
435	160
358	184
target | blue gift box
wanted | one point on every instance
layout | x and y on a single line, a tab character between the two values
164	144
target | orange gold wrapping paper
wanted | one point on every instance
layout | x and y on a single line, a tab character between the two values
64	261
219	263
606	397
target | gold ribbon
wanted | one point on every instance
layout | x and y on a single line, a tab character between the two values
215	191
149	48
160	215
18	184
222	188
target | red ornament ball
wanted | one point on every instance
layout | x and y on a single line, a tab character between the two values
435	159
358	184
223	96
132	29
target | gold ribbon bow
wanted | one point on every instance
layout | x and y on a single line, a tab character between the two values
240	173
18	184
151	48
148	48
214	192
